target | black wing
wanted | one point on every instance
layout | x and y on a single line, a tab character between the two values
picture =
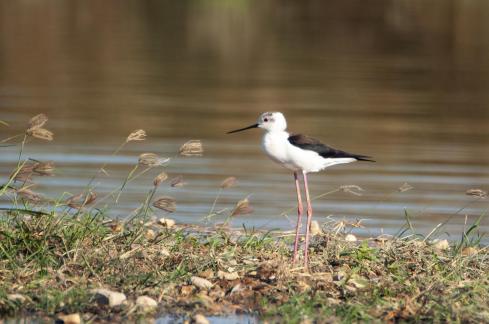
308	143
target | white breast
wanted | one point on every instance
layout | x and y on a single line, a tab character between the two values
276	145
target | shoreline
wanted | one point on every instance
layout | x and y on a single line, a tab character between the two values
53	265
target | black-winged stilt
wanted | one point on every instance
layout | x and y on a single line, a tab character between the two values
301	154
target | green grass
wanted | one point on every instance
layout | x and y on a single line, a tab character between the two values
55	260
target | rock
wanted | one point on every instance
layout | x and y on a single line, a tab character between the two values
164	252
441	245
146	303
16	298
70	318
207	274
108	297
200	319
350	238
315	228
201	282
339	275
167	222
306	320
227	275
150	234
469	251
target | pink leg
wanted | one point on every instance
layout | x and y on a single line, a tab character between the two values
309	220
299	216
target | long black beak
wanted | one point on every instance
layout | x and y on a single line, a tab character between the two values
242	129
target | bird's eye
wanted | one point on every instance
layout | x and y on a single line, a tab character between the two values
265	119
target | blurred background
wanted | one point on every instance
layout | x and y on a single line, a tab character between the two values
404	81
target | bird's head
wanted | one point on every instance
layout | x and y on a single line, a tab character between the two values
269	121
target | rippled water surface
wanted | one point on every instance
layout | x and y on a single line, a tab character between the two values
391	80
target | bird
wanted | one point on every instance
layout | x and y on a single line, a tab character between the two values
302	155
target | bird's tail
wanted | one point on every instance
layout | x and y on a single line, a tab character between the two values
363	158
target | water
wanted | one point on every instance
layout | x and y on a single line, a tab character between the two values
390	80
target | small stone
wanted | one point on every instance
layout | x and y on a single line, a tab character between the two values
164	252
201	282
207	274
315	228
150	234
306	320
333	301
339	275
108	297
350	238
16	298
146	303
70	318
167	222
441	245
227	275
469	251
200	319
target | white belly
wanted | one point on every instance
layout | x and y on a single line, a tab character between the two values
276	145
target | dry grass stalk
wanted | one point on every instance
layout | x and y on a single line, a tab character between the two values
191	148
151	160
137	135
81	200
44	168
177	181
35	128
25	173
34	168
405	187
476	193
165	203
353	189
160	178
242	207
37	121
228	182
41	133
30	195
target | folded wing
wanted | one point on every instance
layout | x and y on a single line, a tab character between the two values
309	143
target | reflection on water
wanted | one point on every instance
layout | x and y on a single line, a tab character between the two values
392	80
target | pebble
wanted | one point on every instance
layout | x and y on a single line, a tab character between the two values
207	274
108	297
150	234
167	222
200	319
315	228
227	275
469	251
70	318
146	303
16	297
201	282
350	238
441	245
